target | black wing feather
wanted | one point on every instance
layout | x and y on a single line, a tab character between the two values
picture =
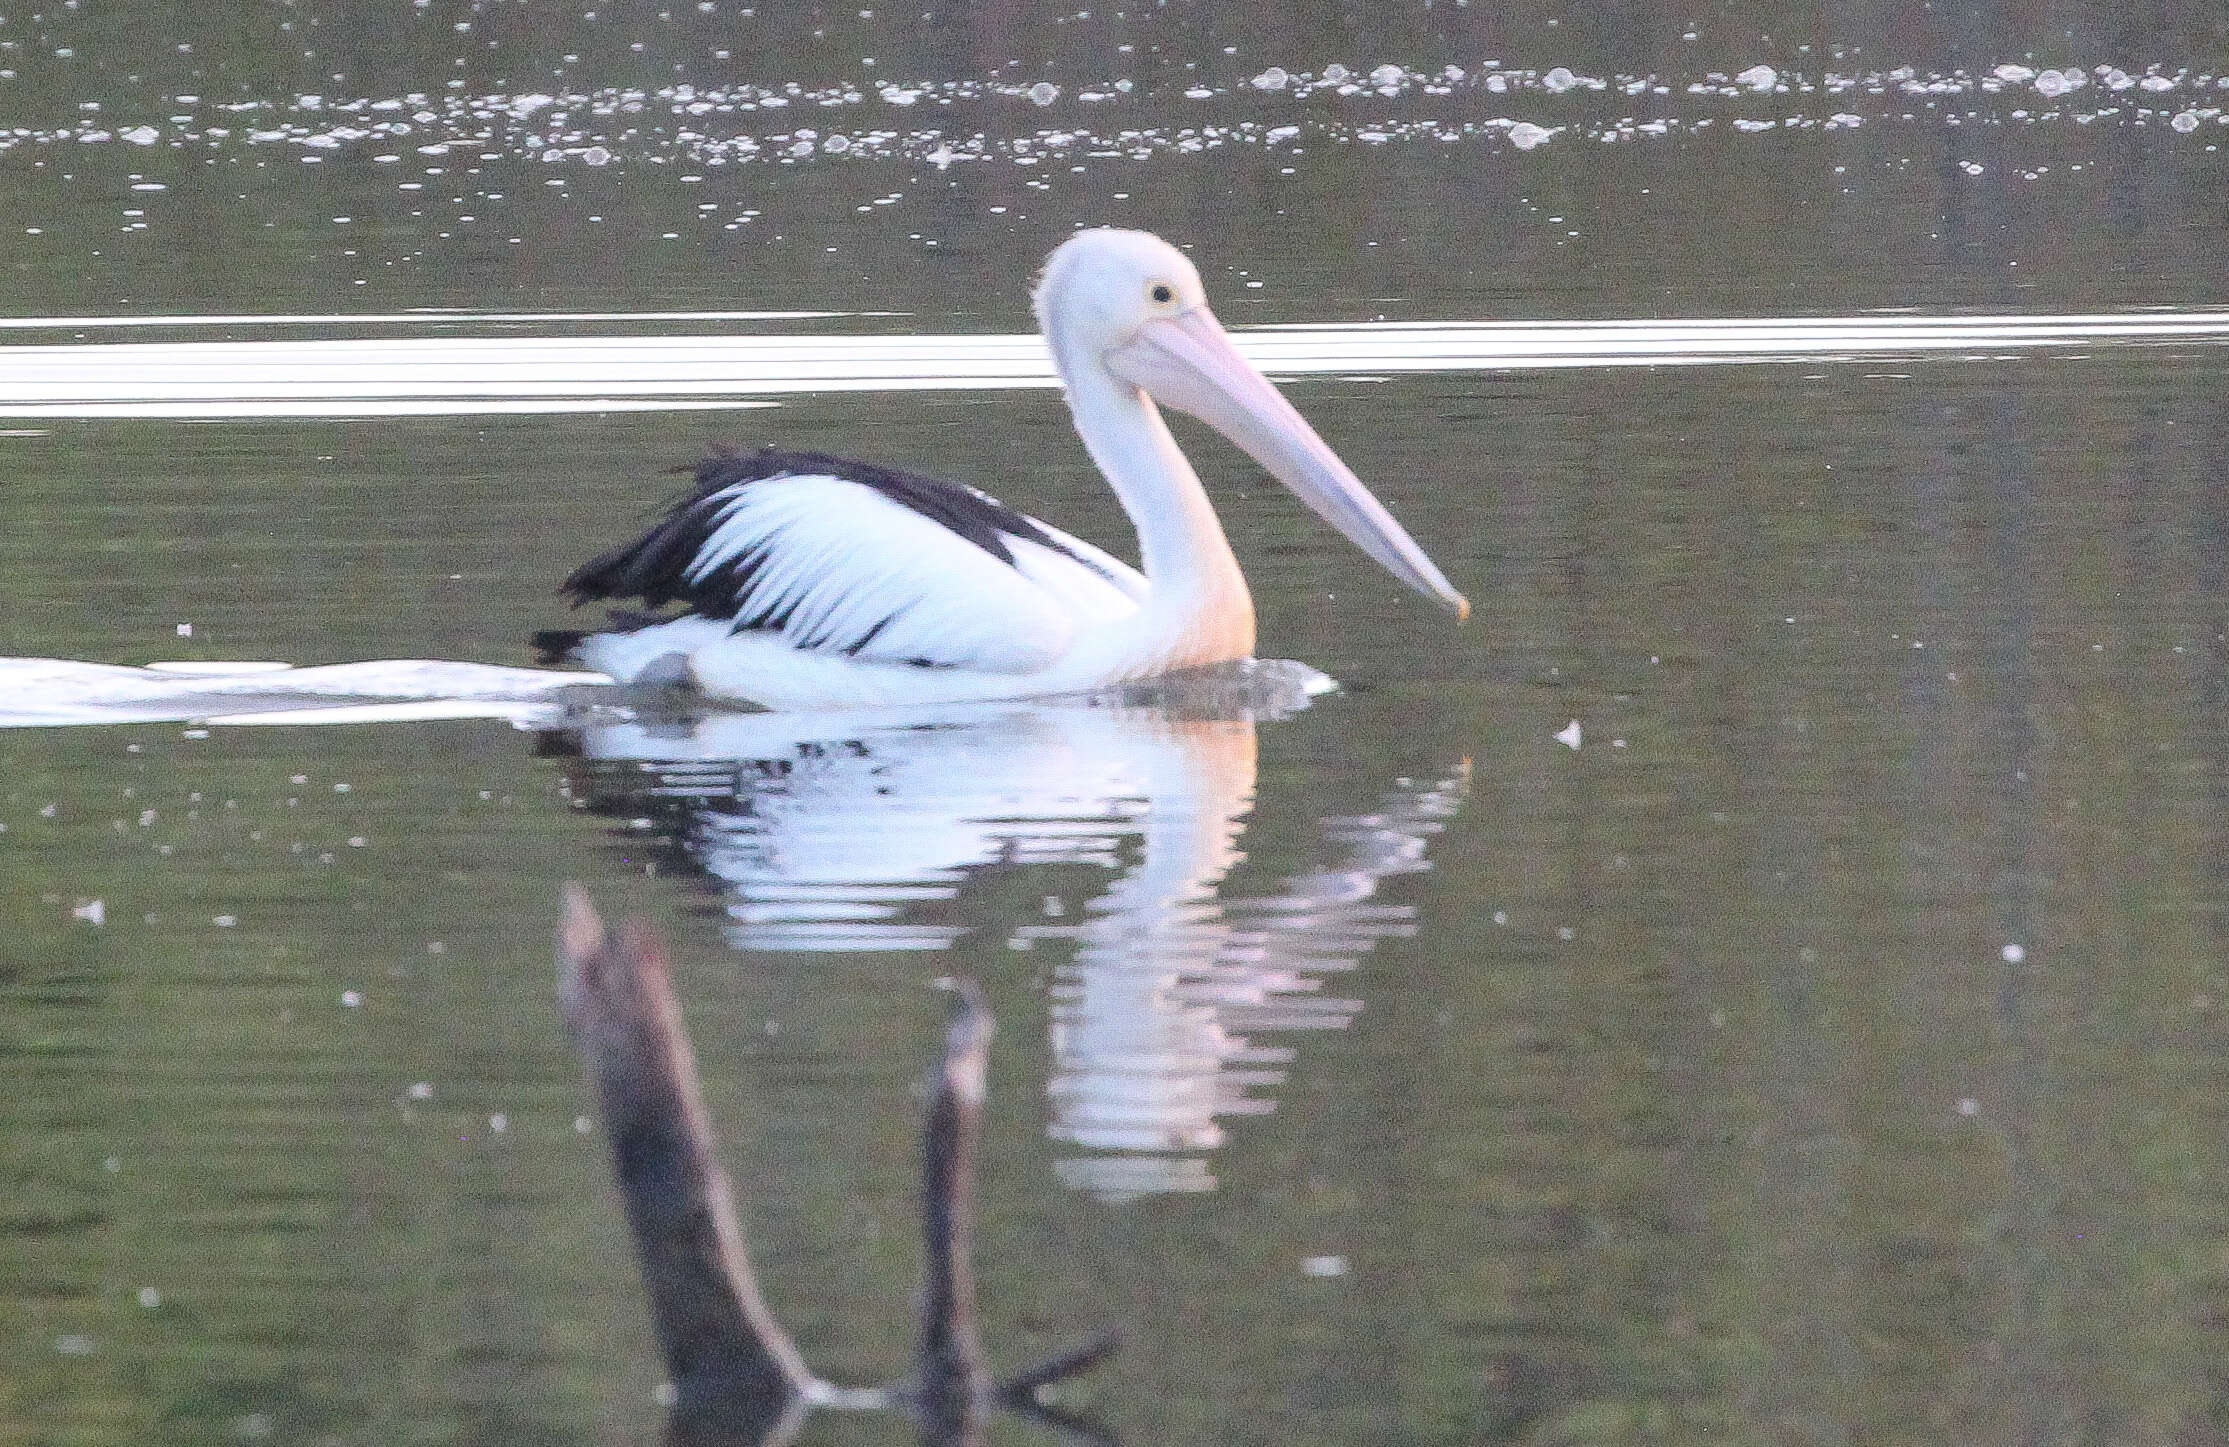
655	567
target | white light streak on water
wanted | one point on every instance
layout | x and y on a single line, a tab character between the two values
391	407
432	317
468	375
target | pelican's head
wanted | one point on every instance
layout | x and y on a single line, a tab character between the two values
1132	305
1100	286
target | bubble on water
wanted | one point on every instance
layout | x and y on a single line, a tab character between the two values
92	911
1044	93
150	1298
566	125
142	135
1525	135
2013	954
2185	121
1323	1267
1971	168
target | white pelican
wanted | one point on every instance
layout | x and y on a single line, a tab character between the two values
813	582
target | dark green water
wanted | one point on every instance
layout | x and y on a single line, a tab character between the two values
1831	1049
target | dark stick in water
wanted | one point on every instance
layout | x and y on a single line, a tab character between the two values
727	1354
954	1384
953	1392
739	1380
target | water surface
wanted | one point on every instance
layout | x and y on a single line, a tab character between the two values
1829	1046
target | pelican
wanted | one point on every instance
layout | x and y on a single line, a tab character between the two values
808	581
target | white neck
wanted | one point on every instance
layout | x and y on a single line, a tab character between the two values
1198	610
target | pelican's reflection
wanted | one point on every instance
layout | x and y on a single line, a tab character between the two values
858	832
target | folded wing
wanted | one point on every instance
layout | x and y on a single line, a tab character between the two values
835	557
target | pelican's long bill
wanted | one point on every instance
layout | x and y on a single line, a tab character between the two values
1187	362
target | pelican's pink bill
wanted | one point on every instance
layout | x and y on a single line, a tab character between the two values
1187	362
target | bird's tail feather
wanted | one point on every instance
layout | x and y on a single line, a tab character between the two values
557	645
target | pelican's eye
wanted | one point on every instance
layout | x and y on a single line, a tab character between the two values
1162	293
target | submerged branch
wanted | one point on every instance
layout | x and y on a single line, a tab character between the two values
739	1381
953	1386
1022	1387
723	1347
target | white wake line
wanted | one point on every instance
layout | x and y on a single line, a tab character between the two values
62	692
467	375
51	692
